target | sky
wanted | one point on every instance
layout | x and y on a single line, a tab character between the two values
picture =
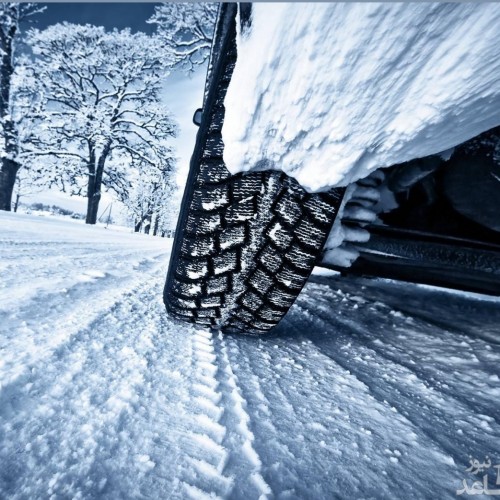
109	15
182	94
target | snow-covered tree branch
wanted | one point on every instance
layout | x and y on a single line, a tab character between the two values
102	112
187	29
151	199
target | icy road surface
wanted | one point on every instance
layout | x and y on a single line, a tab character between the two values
369	389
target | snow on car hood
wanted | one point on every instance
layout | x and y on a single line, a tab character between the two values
330	92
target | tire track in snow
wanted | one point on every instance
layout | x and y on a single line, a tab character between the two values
293	430
426	409
206	455
461	314
354	442
222	459
244	463
454	327
442	359
112	414
71	414
31	278
55	319
264	410
165	427
426	376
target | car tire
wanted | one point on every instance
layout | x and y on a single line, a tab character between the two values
245	244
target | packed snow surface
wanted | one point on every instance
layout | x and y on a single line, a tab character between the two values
330	92
367	389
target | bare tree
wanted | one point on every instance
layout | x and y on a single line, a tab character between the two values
27	184
102	109
11	16
151	200
187	30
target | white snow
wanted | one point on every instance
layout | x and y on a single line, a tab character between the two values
102	395
329	92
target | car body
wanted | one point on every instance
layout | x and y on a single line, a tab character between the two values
248	237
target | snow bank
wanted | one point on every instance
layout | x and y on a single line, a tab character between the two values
330	92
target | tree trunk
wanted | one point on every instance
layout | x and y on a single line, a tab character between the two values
147	226
93	199
140	221
16	203
9	167
95	184
8	174
90	185
155	225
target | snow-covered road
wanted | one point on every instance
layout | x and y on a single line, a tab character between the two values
367	389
